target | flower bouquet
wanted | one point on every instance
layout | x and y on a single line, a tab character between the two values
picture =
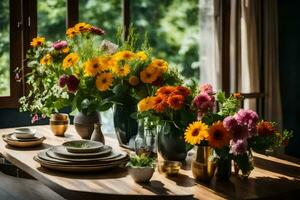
171	111
230	132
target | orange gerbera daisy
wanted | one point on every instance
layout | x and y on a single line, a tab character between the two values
265	128
141	55
159	104
176	101
134	80
38	41
82	27
104	81
124	55
46	59
149	76
165	91
160	64
70	60
92	67
71	32
219	136
184	91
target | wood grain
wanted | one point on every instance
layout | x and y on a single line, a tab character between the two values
272	177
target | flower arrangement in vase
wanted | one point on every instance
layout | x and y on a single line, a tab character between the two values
171	110
229	133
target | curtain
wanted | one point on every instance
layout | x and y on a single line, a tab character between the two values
210	67
254	53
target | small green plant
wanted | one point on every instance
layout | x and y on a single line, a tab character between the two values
141	161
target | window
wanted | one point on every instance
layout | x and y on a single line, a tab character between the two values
173	31
4	49
52	19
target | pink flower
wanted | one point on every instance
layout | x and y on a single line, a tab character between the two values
238	147
18	77
62	81
248	118
230	123
206	88
72	84
97	31
35	118
59	45
204	102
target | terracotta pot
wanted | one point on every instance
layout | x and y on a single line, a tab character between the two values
84	124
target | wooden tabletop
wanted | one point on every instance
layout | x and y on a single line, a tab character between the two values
271	178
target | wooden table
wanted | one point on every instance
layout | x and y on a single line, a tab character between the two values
272	178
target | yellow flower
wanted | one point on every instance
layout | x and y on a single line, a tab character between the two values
146	104
104	81
134	80
160	64
82	27
65	50
141	55
106	63
70	60
38	41
122	71
196	132
71	32
46	59
124	55
92	67
149	74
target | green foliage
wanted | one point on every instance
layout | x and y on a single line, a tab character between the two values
141	161
228	106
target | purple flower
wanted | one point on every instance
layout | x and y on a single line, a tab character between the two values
230	123
18	77
59	44
204	102
238	147
62	80
34	118
72	84
206	88
248	118
97	31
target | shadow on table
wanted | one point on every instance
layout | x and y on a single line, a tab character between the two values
183	180
41	147
256	188
277	167
158	187
116	172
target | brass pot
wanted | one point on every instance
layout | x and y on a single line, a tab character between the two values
59	123
203	167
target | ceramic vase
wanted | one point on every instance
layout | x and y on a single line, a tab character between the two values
84	124
171	146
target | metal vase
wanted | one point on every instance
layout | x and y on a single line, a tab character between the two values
203	167
84	124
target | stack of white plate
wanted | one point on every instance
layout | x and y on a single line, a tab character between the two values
81	156
23	137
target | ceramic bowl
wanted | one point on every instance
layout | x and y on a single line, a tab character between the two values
24	133
169	168
83	146
141	174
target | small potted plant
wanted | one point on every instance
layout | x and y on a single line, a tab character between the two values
141	167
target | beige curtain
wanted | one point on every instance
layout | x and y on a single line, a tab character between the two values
254	46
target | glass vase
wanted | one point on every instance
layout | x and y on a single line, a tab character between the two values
223	172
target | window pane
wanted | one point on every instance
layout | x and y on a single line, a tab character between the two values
173	31
102	13
52	19
4	49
